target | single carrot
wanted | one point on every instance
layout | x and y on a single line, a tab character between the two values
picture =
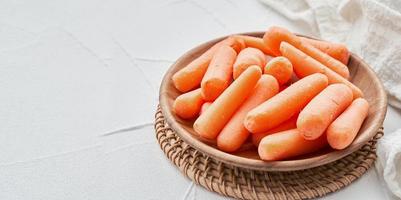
335	50
256	42
285	104
287	125
275	35
287	144
248	57
322	110
188	105
219	74
281	68
234	134
344	129
191	75
204	107
213	120
305	65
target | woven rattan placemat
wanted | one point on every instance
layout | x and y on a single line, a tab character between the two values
244	183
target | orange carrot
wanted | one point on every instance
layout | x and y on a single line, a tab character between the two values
188	105
191	76
247	57
219	74
287	144
204	107
238	44
305	65
344	129
256	42
287	125
213	120
234	133
275	35
279	67
335	50
325	59
285	104
268	58
322	110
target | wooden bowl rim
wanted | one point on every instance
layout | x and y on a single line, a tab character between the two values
287	165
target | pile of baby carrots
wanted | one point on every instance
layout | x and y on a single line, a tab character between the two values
287	94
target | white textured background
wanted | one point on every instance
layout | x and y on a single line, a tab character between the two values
79	86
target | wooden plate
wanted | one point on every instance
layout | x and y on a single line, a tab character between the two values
361	75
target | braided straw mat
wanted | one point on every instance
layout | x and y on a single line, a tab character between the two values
244	183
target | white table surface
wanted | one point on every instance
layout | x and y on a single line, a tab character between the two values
73	71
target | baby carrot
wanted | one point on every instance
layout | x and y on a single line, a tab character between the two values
191	75
335	50
322	110
268	58
285	104
279	67
247	57
305	65
213	120
238	44
256	42
287	144
219	74
204	107
234	133
325	59
275	35
287	125
188	105
343	130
